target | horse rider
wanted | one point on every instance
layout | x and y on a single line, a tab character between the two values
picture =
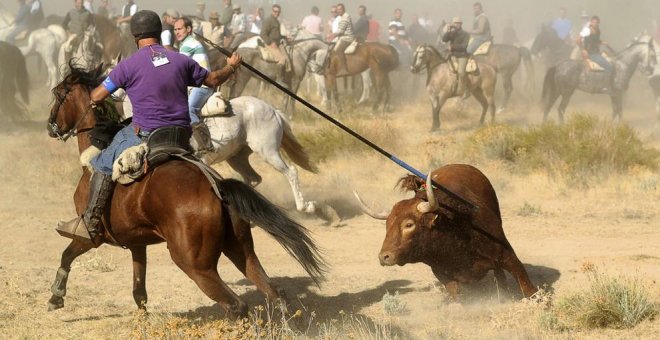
226	14
480	29
167	37
156	80
20	21
191	47
76	22
589	43
399	27
36	15
217	31
270	34
127	12
458	41
199	11
344	36
238	27
361	27
313	23
563	26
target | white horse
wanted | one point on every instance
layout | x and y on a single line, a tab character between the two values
43	41
254	126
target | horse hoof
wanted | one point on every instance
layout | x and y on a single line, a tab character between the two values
55	303
309	207
238	311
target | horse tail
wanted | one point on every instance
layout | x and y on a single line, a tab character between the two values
22	79
295	238
294	150
526	56
549	84
394	60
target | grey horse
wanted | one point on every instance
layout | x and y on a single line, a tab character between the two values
299	52
654	82
569	75
440	82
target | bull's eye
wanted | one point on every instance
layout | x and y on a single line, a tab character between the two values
409	225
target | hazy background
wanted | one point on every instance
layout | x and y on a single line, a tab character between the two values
621	19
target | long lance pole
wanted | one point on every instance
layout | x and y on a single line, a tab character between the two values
338	123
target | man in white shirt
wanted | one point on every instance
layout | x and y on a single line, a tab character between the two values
237	27
313	23
167	35
127	12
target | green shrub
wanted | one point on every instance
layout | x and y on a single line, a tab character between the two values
613	302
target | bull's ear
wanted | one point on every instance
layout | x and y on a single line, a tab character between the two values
429	219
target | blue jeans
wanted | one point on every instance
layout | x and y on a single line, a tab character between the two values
196	100
475	43
123	140
600	60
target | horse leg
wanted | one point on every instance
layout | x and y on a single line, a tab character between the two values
437	101
617	106
58	288
366	86
478	94
274	158
201	267
239	249
548	105
139	255
379	84
240	162
508	89
565	98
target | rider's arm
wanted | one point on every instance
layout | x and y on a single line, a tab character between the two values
99	94
218	77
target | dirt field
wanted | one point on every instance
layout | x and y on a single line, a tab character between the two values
613	225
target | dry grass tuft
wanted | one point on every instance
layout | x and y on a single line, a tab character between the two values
608	302
583	148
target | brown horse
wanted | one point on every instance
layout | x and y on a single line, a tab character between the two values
441	79
381	59
175	203
115	44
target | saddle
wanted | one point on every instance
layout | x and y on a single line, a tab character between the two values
351	48
471	68
162	145
595	67
483	49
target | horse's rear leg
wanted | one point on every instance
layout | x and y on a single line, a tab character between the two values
274	158
139	255
58	288
240	162
239	249
508	89
565	98
552	98
201	267
479	96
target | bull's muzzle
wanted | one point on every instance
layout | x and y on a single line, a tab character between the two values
386	259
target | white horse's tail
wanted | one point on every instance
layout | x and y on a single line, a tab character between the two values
292	147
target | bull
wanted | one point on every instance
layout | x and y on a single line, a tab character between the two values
460	244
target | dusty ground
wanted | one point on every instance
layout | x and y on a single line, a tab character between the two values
613	225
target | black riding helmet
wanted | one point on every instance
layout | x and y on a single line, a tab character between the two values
146	24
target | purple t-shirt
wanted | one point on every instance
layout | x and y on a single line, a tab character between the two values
159	94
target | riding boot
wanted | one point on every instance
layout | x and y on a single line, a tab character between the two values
202	137
100	190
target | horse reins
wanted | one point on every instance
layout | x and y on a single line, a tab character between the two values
74	130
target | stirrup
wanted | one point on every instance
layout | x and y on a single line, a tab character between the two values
76	229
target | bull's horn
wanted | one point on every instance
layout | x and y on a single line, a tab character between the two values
365	209
431	204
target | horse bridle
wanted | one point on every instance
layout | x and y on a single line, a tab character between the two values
74	130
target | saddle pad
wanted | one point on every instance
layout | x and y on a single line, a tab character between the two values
268	55
471	66
594	67
253	42
129	166
351	48
483	49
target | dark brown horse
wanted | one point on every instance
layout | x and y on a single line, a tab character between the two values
13	78
175	203
381	59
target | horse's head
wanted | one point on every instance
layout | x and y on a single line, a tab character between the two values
71	101
644	42
420	58
546	36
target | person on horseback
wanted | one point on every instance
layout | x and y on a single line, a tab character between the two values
270	34
458	42
127	12
362	25
344	36
76	22
156	80
20	21
480	29
167	37
238	27
590	43
198	96
563	26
